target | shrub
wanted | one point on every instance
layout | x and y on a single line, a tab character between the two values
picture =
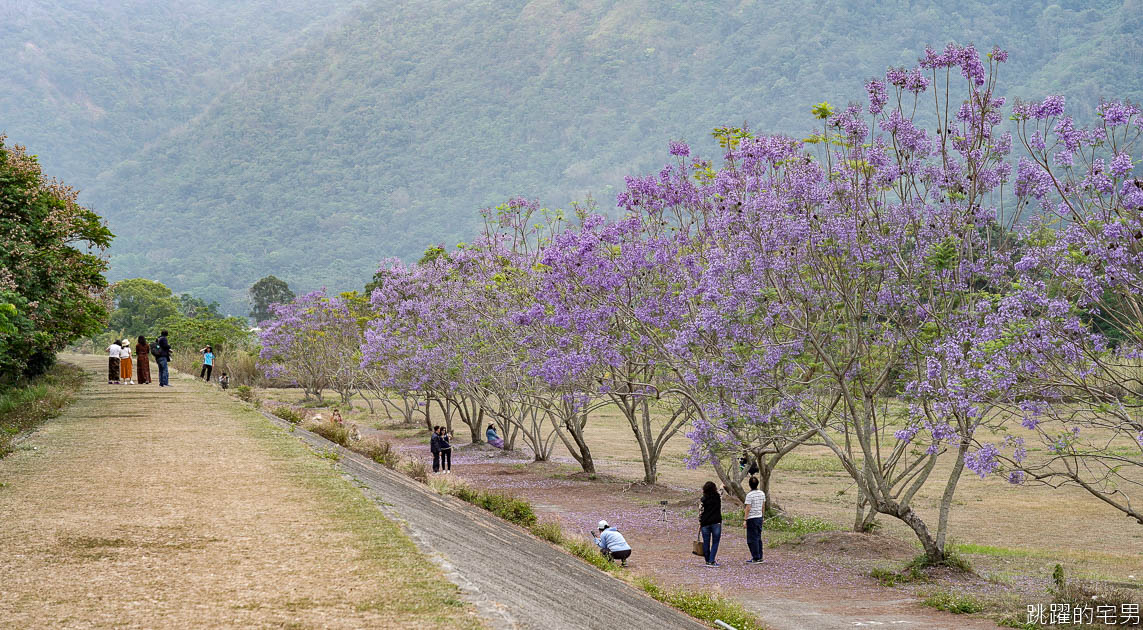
378	450
415	469
703	606
336	433
245	393
505	506
288	414
888	577
798	524
549	531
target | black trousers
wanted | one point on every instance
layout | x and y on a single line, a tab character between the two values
616	555
436	461
446	459
204	373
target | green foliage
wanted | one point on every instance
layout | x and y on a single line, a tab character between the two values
245	393
703	606
51	266
267	291
549	531
140	305
888	577
289	414
231	332
379	451
505	506
28	404
588	551
336	433
956	603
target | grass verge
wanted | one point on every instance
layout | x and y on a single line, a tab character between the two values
406	589
703	606
505	506
25	406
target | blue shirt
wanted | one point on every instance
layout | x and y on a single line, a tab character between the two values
208	358
612	540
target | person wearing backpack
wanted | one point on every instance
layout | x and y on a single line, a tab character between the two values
162	351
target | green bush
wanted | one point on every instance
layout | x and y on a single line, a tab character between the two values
505	506
378	450
415	469
288	414
332	431
798	524
549	531
245	393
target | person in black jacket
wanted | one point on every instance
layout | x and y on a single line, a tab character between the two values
446	451
162	357
710	520
435	448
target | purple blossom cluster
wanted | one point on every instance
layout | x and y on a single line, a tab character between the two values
862	289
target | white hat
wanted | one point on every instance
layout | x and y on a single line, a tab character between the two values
603	525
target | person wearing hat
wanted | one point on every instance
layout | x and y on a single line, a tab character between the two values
612	544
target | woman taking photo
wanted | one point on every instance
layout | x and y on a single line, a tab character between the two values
710	520
207	363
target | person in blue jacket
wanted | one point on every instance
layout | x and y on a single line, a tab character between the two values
612	544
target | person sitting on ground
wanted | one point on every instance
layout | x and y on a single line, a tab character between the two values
224	381
336	417
491	437
612	544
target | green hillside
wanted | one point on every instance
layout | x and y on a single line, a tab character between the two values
89	83
385	134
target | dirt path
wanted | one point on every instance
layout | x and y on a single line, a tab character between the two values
515	579
173	508
796	589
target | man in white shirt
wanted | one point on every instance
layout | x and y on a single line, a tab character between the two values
753	512
113	352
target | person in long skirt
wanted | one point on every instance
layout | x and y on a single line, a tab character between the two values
113	351
142	354
125	373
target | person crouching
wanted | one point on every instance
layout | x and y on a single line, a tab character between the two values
612	544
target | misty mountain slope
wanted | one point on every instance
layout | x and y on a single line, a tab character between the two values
88	83
387	134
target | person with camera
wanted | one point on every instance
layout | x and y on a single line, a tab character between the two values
612	544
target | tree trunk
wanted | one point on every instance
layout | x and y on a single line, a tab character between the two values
934	553
950	490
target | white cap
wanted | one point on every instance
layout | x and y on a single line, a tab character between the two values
603	525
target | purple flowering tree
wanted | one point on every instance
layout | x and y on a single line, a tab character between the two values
1082	275
314	342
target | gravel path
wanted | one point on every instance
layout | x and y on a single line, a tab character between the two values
513	578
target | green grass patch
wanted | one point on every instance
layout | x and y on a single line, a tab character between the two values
549	531
23	407
805	463
587	551
704	606
798	525
505	506
956	603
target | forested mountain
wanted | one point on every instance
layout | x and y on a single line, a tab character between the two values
386	133
89	83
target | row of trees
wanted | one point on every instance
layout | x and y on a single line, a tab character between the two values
51	266
916	282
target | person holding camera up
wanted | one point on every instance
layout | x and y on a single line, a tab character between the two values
612	544
207	363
